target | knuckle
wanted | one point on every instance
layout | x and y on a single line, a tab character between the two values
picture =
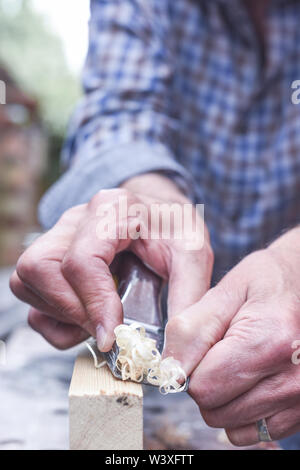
283	344
177	327
211	419
73	212
32	321
60	343
193	387
279	427
204	398
72	264
108	195
58	340
16	285
202	392
29	266
95	200
123	192
283	347
278	343
66	339
235	437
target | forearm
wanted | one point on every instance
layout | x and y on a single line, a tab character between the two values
118	130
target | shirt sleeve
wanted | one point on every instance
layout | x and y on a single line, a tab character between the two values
126	124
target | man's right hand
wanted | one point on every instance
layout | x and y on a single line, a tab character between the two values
65	274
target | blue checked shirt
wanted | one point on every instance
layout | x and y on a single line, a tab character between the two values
182	87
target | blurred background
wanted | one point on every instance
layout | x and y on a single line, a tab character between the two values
42	48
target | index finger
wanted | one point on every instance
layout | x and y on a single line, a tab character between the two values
86	267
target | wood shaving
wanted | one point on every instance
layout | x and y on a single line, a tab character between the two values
138	358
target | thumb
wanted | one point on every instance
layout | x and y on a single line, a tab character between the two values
190	334
189	279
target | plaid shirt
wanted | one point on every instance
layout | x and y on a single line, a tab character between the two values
181	87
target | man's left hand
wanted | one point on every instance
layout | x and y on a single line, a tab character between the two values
239	343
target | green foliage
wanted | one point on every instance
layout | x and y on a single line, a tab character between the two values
35	57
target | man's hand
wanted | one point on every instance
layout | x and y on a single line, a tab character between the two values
238	344
65	275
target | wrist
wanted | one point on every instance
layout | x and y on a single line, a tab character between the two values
287	249
161	186
289	242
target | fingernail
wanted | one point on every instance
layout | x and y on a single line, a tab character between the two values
101	337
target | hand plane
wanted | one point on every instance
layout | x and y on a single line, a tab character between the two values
140	290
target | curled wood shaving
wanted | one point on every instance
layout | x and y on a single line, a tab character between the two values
138	358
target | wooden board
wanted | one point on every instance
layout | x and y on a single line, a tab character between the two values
104	413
